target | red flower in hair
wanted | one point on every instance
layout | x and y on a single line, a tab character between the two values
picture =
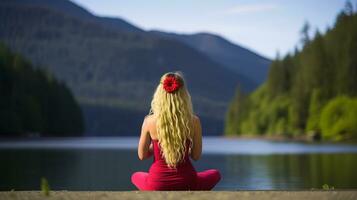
171	83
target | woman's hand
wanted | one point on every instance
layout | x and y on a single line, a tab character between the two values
145	148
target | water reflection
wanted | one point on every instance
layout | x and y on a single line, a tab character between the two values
94	166
304	171
84	169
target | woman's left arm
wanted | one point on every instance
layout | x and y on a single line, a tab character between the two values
145	148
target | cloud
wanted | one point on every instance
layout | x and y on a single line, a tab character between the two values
248	9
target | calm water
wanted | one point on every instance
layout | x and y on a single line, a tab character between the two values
107	164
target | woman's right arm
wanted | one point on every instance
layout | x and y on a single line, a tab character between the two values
145	148
197	140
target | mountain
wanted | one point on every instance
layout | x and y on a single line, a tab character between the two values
71	9
112	66
241	60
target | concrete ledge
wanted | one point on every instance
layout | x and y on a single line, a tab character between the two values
197	195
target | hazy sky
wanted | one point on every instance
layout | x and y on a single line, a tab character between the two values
264	26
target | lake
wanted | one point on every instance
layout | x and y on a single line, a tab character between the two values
107	163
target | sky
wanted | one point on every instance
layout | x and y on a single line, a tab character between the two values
263	26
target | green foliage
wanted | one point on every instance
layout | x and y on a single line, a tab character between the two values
314	112
327	187
267	115
255	123
235	113
45	187
303	91
279	79
339	119
32	102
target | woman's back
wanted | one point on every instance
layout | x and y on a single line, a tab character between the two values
163	177
196	139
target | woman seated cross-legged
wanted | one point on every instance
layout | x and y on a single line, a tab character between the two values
173	135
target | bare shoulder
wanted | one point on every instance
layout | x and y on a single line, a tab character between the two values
151	125
149	119
196	120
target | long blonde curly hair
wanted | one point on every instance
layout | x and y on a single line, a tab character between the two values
174	119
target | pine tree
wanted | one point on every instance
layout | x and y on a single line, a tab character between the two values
305	31
235	113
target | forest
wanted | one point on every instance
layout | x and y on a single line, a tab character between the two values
33	102
311	92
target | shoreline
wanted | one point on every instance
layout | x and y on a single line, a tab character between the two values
173	195
273	138
280	138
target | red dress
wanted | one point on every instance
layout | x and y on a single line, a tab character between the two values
183	177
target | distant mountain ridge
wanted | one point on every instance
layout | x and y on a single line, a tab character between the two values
251	67
113	65
72	9
241	60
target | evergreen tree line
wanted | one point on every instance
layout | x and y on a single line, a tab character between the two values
32	102
311	91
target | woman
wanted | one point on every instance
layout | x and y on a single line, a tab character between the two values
172	133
